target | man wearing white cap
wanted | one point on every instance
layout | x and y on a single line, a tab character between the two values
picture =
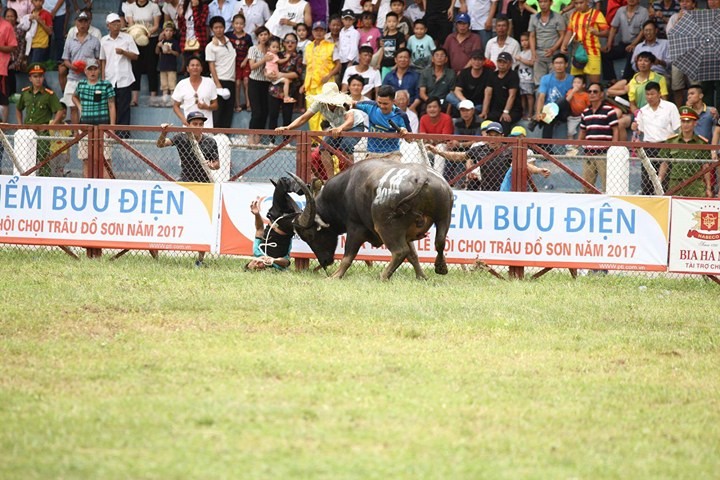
198	153
117	51
331	104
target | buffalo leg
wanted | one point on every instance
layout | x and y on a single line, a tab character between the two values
413	259
397	259
399	250
440	236
353	243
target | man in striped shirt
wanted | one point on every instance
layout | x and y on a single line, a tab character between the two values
597	122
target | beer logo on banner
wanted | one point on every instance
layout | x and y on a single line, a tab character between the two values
707	224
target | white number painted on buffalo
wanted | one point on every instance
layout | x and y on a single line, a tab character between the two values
389	184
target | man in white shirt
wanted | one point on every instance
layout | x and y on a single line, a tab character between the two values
363	68
256	14
502	42
481	14
658	120
117	51
220	56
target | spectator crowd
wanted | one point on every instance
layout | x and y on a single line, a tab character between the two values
468	67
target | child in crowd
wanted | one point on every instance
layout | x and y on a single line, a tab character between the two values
242	42
168	49
369	33
525	72
40	47
349	41
579	100
272	67
506	186
404	23
421	45
302	31
391	41
367	6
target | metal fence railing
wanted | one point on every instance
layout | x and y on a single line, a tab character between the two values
466	162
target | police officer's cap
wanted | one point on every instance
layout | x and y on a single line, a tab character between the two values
688	113
36	68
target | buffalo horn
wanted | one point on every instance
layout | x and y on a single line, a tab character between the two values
307	217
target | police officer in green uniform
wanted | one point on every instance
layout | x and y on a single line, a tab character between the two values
38	105
678	172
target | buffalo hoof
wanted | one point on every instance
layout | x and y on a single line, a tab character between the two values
421	277
441	269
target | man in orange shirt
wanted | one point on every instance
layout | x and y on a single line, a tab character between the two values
587	25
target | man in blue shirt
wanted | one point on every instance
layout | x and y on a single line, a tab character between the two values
553	88
380	114
403	77
706	114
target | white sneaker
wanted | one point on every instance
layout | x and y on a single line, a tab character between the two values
154	101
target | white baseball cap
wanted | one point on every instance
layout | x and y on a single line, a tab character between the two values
468	104
113	17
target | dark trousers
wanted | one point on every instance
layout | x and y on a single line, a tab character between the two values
343	67
438	27
275	107
608	61
507	126
39	55
711	92
223	116
58	38
122	109
146	63
563	114
258	92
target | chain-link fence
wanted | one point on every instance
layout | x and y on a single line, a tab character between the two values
681	168
490	163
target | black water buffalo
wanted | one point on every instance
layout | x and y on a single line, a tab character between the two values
379	202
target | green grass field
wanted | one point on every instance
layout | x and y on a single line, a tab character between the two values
154	369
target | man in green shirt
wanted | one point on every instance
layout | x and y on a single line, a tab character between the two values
681	171
39	106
